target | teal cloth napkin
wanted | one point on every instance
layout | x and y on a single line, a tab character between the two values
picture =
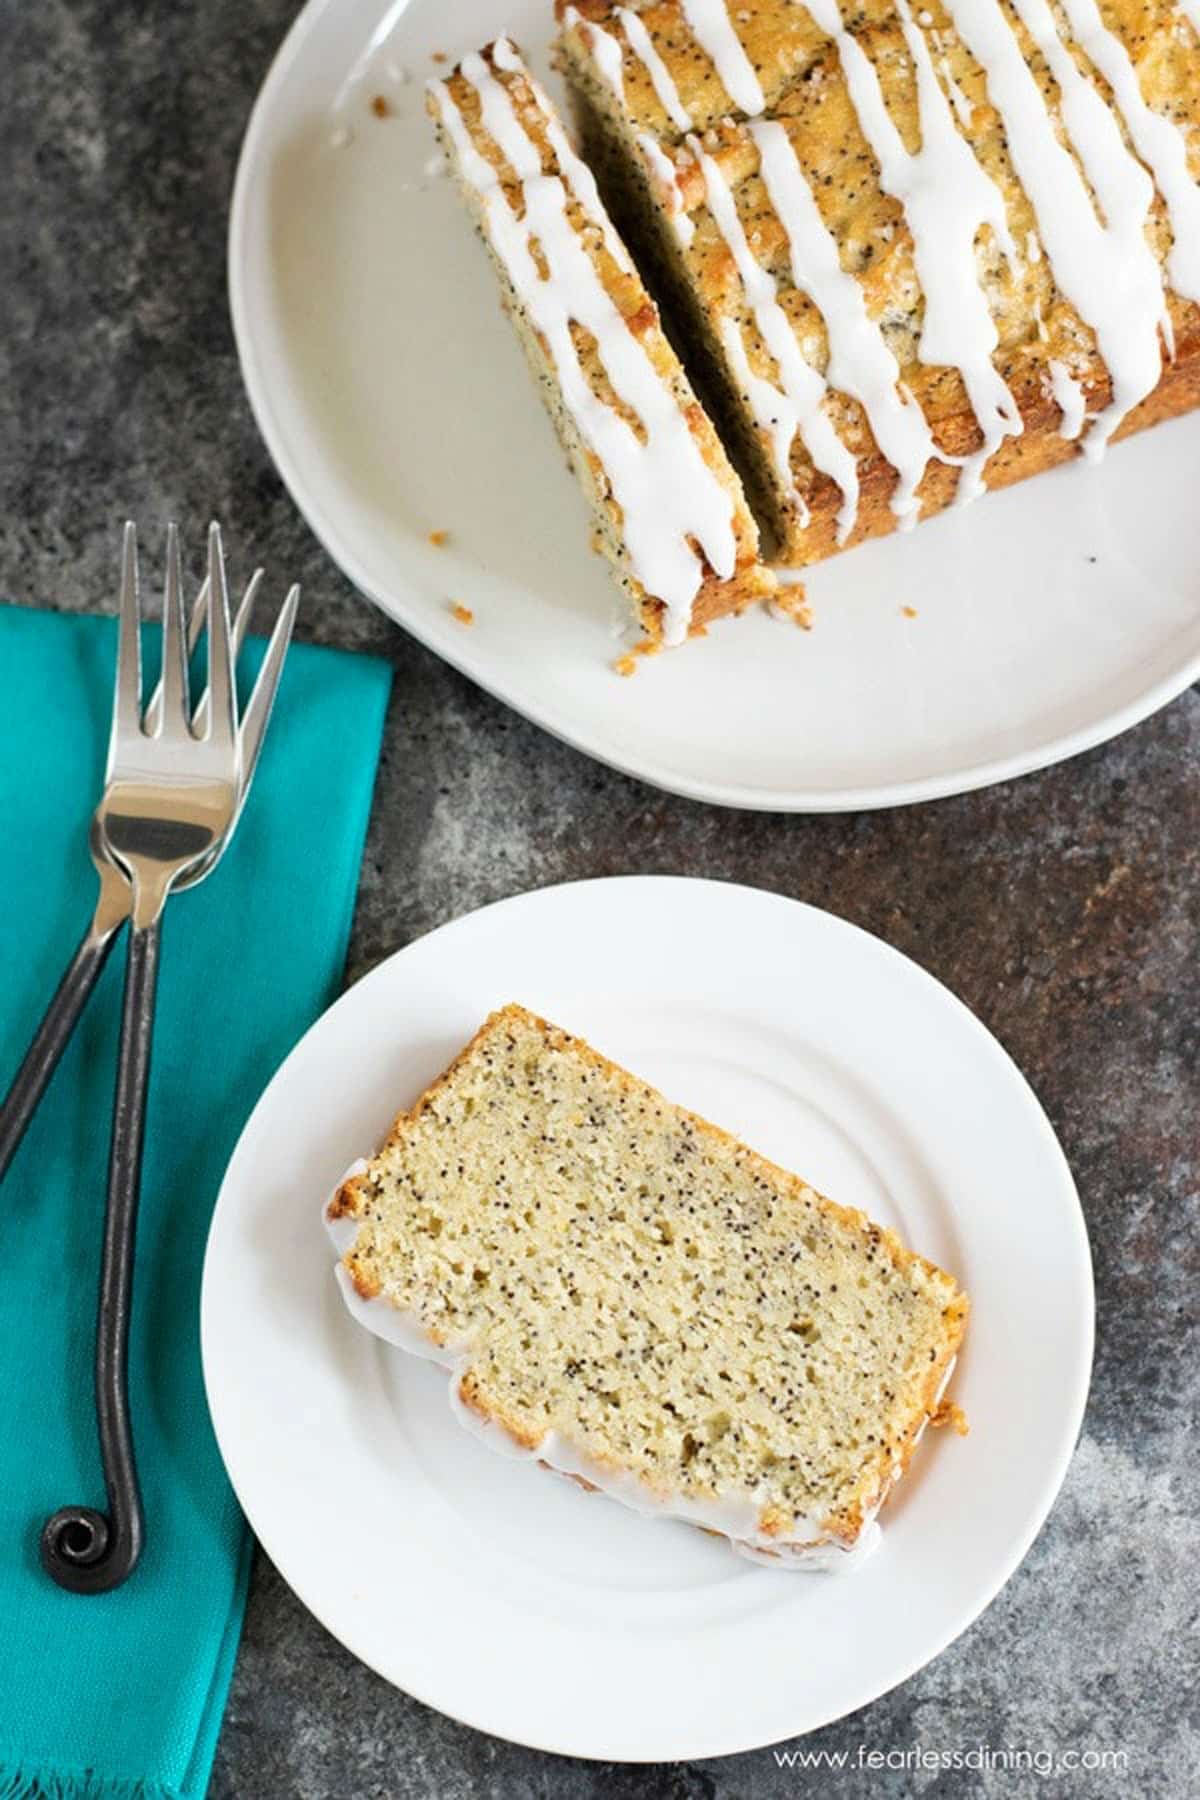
122	1694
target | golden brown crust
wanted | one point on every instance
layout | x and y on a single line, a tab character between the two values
1039	449
471	1393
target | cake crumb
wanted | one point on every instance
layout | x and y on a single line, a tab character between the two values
439	539
439	56
910	612
790	603
628	665
381	106
462	613
950	1413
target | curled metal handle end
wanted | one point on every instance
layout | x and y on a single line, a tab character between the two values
81	1552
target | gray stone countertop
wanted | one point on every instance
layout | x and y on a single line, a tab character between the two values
1064	909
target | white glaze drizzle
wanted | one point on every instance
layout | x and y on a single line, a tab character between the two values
668	178
666	491
1069	397
606	51
770	409
734	1517
579	177
947	198
860	363
1106	270
713	30
1157	140
958	99
642	45
796	408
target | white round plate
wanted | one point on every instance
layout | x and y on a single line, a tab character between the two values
510	1599
395	401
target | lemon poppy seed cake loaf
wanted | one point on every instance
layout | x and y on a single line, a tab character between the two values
670	512
917	249
632	1297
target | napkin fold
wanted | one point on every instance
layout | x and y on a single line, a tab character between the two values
121	1694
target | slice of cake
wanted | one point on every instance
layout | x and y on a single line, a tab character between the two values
632	1297
670	512
916	250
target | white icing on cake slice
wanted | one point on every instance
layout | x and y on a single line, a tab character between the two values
642	45
860	363
796	407
604	48
670	499
1069	397
1103	265
714	31
667	176
1159	142
947	199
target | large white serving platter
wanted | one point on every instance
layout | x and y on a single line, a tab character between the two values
510	1599
395	402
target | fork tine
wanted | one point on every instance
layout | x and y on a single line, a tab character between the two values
174	710
258	711
241	625
196	620
127	701
222	694
241	620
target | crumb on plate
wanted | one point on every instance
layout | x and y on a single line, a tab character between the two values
628	664
950	1413
381	106
910	612
790	603
439	539
462	613
439	56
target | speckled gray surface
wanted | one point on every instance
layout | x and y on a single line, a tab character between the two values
1064	909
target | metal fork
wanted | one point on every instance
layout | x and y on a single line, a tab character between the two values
116	895
170	804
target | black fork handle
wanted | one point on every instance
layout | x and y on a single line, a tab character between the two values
51	1039
85	1550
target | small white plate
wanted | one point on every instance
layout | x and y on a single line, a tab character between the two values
394	399
510	1599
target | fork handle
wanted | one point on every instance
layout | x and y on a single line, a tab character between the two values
83	1549
51	1039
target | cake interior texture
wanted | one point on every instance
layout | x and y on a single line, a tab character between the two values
604	1269
908	252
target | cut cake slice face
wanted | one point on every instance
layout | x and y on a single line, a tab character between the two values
634	1298
670	512
916	251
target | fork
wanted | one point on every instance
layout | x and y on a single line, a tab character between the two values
170	804
116	896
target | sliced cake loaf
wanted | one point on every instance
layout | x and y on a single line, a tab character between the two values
634	1298
670	512
918	250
